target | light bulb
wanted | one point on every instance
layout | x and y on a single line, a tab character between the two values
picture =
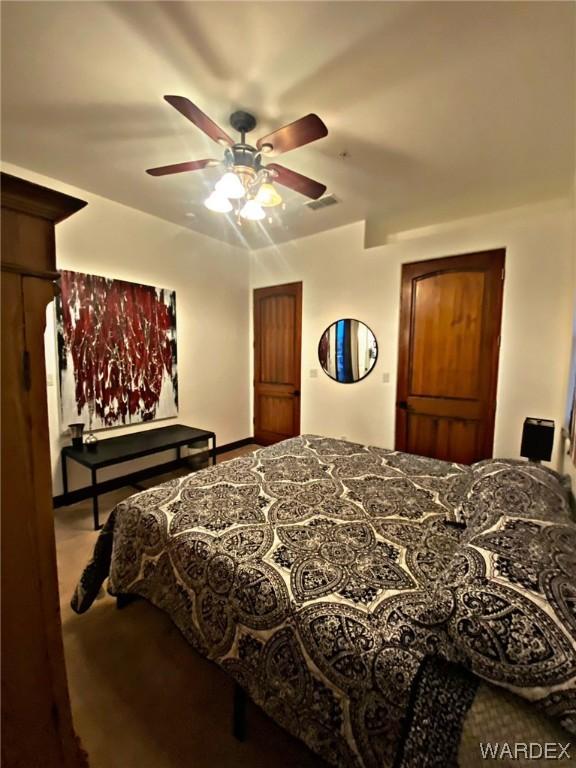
218	203
230	186
268	196
252	211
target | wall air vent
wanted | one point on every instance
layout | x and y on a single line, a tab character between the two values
322	202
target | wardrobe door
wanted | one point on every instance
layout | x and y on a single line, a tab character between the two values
37	725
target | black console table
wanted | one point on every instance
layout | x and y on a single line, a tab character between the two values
116	450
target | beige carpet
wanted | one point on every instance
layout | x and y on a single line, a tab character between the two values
141	696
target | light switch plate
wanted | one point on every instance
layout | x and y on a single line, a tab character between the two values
386	378
313	373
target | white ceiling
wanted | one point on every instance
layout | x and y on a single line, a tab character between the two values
444	109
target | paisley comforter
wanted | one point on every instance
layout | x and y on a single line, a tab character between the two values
314	572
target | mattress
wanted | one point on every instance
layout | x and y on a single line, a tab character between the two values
308	571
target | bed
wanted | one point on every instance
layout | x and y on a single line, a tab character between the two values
389	610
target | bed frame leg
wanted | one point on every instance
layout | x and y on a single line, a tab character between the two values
239	716
123	600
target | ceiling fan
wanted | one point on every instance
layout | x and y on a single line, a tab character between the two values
248	185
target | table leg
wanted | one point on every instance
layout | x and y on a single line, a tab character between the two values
97	525
64	476
239	713
124	599
213	449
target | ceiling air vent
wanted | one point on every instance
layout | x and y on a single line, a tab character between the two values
322	202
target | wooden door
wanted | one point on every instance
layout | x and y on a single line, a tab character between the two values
450	316
277	349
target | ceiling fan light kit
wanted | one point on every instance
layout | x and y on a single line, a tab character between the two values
268	196
230	186
218	203
247	187
252	211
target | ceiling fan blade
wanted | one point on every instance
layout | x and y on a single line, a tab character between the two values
200	120
296	134
192	165
296	181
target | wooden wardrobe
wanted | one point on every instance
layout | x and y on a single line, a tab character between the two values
37	725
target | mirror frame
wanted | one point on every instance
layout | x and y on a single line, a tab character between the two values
375	359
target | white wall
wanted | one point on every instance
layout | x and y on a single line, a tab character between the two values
212	306
567	466
343	279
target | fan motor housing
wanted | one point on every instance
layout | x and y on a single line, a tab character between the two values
244	155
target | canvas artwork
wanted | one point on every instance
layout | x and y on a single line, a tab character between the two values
570	419
117	355
572	422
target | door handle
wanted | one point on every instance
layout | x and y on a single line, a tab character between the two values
402	404
296	393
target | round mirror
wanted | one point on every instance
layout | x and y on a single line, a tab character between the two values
347	351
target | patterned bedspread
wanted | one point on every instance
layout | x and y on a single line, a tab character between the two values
309	571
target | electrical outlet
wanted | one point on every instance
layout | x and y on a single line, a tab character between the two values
49	379
386	378
313	373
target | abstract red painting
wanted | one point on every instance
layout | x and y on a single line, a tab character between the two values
117	353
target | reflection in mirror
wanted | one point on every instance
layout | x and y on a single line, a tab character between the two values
347	351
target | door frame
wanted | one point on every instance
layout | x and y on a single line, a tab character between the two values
408	271
271	290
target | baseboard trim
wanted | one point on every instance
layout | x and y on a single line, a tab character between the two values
234	446
80	494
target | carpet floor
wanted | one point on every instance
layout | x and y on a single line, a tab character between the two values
141	696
